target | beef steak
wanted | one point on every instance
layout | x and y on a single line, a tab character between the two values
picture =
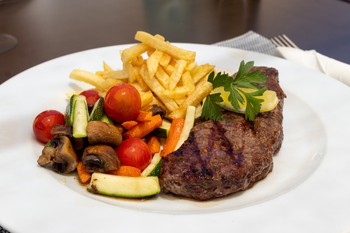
224	157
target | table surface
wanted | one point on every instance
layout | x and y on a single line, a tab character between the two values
47	29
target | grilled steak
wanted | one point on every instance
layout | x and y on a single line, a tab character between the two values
224	157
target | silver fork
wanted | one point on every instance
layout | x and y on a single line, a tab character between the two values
283	41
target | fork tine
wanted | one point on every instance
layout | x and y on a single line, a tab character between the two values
277	42
283	41
289	41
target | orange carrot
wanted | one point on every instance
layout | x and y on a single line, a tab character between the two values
154	145
142	129
126	171
144	116
174	135
129	124
83	175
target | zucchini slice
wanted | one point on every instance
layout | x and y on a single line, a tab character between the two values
80	117
70	108
106	119
153	169
124	186
97	111
163	130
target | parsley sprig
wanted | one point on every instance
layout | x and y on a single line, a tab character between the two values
244	78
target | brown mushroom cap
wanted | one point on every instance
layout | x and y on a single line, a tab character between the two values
100	132
64	130
100	158
59	155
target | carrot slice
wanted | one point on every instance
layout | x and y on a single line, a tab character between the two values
126	171
129	124
144	116
143	128
83	175
174	135
154	145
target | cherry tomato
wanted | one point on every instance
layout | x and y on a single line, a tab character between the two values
44	122
122	103
134	152
91	97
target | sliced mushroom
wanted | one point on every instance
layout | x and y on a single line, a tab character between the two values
100	132
65	130
100	158
59	155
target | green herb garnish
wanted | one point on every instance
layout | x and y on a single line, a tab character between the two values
244	78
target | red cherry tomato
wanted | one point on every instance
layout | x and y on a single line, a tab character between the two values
91	97
44	122
122	103
134	152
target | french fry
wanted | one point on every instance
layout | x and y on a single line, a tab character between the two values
194	99
179	101
87	77
202	90
165	47
137	61
146	98
132	72
162	77
181	92
165	59
159	37
190	66
178	93
169	69
177	73
129	54
187	81
153	62
135	77
199	72
137	86
157	88
114	74
173	62
141	82
110	82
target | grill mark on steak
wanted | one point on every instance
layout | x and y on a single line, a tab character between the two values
224	157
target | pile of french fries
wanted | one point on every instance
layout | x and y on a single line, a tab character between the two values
164	74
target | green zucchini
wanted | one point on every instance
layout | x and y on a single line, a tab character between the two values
106	119
80	117
124	186
70	108
163	130
97	111
153	169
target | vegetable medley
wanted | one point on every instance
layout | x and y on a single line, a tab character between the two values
116	134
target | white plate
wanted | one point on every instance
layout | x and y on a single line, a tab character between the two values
307	191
